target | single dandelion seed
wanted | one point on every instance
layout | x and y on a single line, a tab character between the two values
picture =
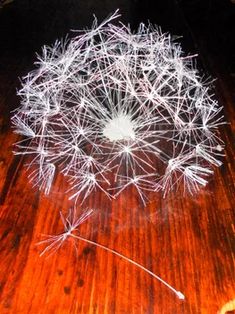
71	224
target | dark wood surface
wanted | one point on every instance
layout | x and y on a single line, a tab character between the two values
187	240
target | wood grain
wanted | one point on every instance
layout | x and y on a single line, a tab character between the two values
187	240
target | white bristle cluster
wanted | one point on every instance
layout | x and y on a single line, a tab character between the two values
110	109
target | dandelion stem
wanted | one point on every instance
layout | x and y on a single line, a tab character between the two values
179	294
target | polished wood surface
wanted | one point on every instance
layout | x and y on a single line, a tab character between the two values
187	240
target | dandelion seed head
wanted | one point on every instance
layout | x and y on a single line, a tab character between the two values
109	99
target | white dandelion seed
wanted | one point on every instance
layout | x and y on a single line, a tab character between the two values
71	224
112	102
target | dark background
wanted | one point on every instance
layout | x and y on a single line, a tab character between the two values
207	27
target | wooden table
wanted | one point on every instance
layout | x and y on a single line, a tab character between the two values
186	240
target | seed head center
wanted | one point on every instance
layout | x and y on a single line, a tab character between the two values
119	128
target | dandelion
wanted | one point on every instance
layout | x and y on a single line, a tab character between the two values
110	102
